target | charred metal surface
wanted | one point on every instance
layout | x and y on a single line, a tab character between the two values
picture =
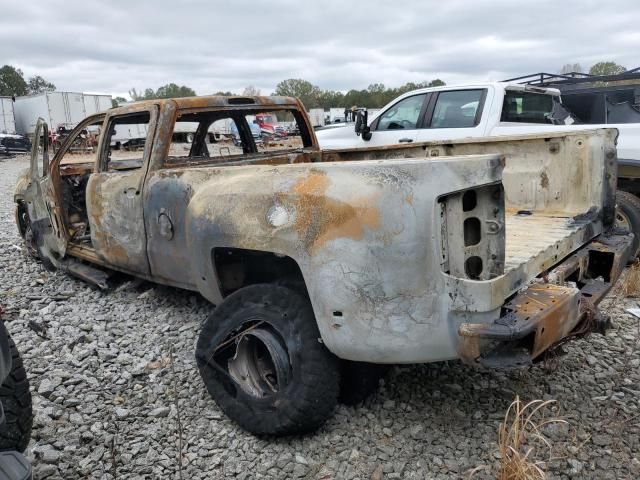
381	237
562	305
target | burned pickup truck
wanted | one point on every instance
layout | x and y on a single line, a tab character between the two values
324	264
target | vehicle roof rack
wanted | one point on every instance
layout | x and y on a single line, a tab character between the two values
559	80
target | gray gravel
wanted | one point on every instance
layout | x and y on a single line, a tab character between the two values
114	382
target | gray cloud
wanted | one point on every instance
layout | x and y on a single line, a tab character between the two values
210	46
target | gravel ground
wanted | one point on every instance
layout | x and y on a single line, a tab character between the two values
115	388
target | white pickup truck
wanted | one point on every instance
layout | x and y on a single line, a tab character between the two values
487	110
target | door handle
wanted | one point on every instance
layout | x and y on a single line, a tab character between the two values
405	140
131	192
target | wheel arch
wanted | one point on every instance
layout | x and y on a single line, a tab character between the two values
235	268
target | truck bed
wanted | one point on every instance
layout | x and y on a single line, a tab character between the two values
537	238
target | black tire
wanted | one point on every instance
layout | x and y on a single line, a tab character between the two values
628	216
359	380
273	326
15	433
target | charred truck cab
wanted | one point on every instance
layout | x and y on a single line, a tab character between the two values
325	264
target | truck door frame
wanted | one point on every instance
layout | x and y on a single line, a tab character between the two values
41	206
114	198
56	180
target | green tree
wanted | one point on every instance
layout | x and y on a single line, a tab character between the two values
38	84
171	90
12	81
304	90
607	68
118	101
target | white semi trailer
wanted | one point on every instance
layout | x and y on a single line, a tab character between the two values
7	118
58	109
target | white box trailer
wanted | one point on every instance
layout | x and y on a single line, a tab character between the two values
317	117
184	131
7	118
336	113
58	109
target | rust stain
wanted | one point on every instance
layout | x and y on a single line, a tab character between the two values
321	219
409	198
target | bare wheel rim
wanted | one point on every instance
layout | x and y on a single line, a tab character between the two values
260	365
622	220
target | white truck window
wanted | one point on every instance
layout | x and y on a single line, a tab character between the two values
403	115
527	107
457	109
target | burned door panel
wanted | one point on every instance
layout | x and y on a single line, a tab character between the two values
114	196
166	199
42	207
114	207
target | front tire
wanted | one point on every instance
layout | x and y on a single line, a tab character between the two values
15	396
262	360
628	217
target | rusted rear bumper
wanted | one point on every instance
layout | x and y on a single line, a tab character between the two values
560	306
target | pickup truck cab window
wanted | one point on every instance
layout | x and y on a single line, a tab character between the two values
457	109
527	107
404	115
125	143
275	131
203	136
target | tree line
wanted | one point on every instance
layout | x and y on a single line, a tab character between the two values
13	83
376	95
600	68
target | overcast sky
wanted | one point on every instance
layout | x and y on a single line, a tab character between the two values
110	47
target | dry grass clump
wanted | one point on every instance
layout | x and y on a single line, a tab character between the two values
629	284
521	440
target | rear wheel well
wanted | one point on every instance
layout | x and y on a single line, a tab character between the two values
236	268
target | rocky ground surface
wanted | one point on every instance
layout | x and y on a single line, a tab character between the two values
117	395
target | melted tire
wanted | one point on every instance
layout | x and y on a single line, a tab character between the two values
15	433
308	397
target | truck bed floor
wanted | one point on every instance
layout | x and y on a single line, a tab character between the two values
539	240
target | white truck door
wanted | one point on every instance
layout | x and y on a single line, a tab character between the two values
454	114
400	123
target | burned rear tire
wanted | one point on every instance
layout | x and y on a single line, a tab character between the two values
15	396
261	358
628	216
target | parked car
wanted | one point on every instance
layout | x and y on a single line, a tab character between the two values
255	131
16	413
10	144
489	110
270	126
325	265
